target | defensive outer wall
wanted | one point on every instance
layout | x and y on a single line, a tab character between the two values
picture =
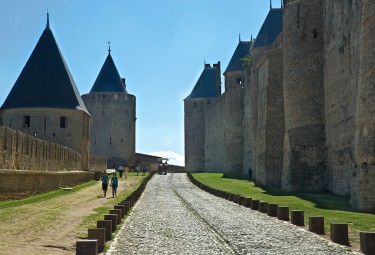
308	121
32	165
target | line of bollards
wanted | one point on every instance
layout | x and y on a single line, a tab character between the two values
338	231
97	237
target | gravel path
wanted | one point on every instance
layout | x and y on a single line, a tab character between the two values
175	217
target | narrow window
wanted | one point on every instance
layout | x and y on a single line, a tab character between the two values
110	141
122	140
1	121
239	81
62	122
10	123
45	125
94	140
315	33
26	121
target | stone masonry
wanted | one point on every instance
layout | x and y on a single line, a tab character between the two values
308	104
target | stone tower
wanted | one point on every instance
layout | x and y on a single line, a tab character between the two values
259	141
207	88
45	102
234	110
113	116
304	141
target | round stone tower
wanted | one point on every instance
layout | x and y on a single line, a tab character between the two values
113	114
304	141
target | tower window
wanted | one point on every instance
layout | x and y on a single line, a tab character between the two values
62	122
27	121
315	33
110	141
238	81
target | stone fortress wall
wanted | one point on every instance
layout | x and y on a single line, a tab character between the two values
308	101
29	165
214	135
20	151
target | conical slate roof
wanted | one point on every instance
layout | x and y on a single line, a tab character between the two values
108	79
45	80
270	29
235	63
207	84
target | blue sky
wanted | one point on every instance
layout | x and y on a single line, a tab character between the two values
158	46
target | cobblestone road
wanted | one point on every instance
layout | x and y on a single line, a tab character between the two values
175	217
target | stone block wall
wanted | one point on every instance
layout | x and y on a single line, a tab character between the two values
19	151
113	123
34	182
304	140
269	136
214	136
97	163
341	67
195	123
233	122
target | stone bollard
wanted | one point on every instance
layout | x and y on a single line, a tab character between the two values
283	213
263	206
122	208
240	200
107	225
297	217
272	210
367	240
316	224
99	235
339	233
87	247
113	218
247	202
119	214
255	204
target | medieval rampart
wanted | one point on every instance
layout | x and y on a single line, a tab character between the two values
214	135
19	151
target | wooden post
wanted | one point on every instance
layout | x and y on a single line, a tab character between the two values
283	213
87	247
316	224
297	217
339	233
272	210
367	240
99	235
263	206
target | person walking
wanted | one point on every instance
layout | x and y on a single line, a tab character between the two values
144	169
120	170
114	184
137	169
104	183
126	171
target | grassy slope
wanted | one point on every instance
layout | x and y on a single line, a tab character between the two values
335	209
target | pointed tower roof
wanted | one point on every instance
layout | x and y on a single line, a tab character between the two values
109	79
45	81
235	63
270	29
208	85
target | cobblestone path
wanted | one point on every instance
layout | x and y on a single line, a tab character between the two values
175	217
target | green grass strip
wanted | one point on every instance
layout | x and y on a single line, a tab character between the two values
334	208
44	196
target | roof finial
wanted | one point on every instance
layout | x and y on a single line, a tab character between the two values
251	39
270	4
109	48
204	61
239	37
47	26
